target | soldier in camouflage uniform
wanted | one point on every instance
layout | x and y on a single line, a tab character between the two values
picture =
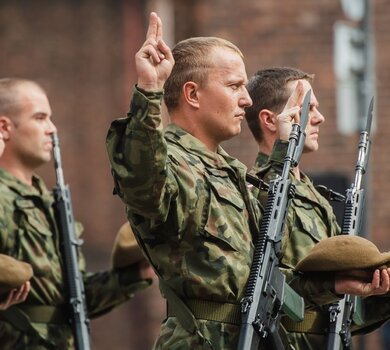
15	295
186	198
29	232
310	218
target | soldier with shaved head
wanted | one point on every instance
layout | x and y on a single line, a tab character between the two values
29	232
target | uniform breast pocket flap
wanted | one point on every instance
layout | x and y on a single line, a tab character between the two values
224	189
32	219
225	212
309	221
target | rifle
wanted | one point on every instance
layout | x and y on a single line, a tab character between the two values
267	293
342	313
69	245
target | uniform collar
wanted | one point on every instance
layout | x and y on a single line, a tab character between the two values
261	159
38	189
279	151
192	145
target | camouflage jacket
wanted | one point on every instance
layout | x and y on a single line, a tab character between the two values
309	220
28	232
191	209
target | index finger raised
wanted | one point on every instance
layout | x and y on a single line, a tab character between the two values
297	96
159	33
153	28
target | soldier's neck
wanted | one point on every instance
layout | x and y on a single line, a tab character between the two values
23	174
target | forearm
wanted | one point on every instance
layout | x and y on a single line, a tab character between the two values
106	290
138	154
315	290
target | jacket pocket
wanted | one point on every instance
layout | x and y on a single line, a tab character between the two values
31	218
309	221
226	218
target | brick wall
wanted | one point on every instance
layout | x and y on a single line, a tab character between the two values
76	49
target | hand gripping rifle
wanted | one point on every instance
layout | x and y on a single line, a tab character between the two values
342	313
69	245
267	293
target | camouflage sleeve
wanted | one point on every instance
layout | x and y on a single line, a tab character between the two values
138	154
106	290
316	290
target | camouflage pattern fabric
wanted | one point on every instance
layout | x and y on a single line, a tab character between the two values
192	211
309	220
29	233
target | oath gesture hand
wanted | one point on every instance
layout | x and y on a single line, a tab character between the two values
154	61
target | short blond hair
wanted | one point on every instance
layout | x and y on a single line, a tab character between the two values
192	61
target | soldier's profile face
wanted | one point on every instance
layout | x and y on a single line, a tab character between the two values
30	135
315	119
223	97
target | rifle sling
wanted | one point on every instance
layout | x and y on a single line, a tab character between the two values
314	322
210	310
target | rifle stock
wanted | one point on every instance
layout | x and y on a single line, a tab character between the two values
267	293
69	246
350	308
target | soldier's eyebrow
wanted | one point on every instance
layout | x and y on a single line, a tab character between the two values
40	115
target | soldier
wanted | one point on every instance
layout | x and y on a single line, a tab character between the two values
29	232
186	198
12	293
310	218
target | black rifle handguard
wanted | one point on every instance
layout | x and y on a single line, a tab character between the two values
69	248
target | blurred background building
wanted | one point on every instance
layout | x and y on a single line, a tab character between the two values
82	52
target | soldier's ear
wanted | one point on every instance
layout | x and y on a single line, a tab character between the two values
190	92
267	120
5	127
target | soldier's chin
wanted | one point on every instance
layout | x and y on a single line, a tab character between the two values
237	130
46	158
310	148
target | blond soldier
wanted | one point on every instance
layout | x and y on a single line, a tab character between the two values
186	198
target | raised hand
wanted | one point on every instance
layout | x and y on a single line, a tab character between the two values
154	61
291	112
351	284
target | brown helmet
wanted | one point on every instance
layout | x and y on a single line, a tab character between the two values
341	253
126	250
13	273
